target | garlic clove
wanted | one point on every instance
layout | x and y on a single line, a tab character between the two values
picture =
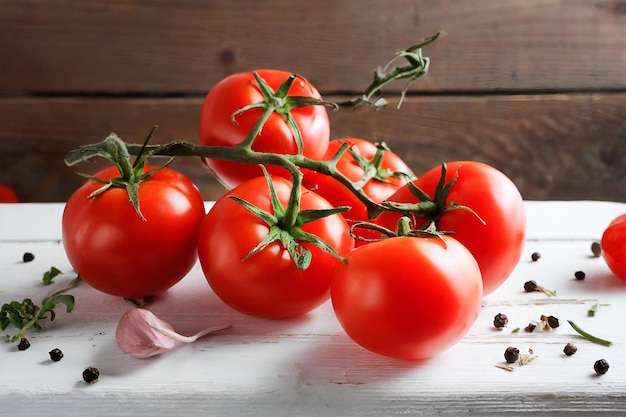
138	334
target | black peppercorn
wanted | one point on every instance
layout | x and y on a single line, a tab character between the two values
530	328
580	275
596	249
24	344
56	354
91	375
570	349
553	322
535	256
500	320
27	257
511	354
601	366
530	286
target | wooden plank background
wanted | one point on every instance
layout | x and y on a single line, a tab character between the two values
534	87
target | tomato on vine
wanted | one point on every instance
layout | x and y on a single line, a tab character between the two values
613	245
264	261
408	297
380	171
7	195
289	106
479	204
130	231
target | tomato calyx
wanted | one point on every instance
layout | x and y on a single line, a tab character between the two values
431	208
285	225
280	102
131	174
403	229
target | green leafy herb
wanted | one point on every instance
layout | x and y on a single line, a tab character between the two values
26	314
587	336
48	276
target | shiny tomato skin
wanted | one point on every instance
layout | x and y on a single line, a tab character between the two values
239	90
613	245
7	195
267	284
116	252
406	297
497	245
338	195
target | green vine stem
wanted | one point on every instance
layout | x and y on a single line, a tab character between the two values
274	101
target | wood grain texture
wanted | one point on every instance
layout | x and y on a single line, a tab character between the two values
552	146
181	47
534	87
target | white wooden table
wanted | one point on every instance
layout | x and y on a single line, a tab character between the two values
308	366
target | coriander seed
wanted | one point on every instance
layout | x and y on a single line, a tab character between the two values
91	375
580	275
511	354
570	349
24	344
601	366
56	354
500	320
27	257
535	256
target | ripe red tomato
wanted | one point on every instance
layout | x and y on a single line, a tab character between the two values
497	244
240	90
378	188
267	284
407	297
118	253
7	195
614	246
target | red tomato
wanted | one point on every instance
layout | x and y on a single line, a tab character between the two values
497	244
118	253
614	246
377	188
408	297
240	90
267	284
7	195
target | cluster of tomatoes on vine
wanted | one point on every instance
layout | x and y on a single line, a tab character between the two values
404	260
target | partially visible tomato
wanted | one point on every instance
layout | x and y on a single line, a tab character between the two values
267	284
498	242
408	297
381	185
118	253
614	246
7	195
239	90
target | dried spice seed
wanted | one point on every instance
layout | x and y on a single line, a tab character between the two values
532	286
570	349
511	354
535	256
91	375
500	320
601	366
530	328
580	275
553	322
596	249
24	344
56	354
28	257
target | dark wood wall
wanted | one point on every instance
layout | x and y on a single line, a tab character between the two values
536	88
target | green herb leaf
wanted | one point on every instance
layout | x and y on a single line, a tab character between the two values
588	336
48	276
